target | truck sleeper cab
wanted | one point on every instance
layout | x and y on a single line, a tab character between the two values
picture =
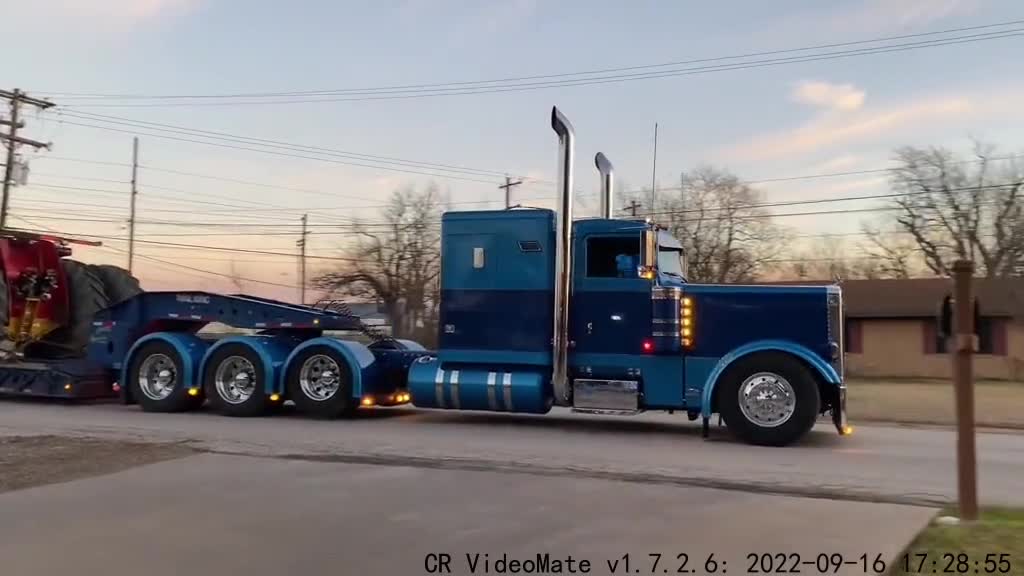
637	335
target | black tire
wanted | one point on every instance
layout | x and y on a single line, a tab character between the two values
118	283
256	403
805	391
86	297
177	400
338	404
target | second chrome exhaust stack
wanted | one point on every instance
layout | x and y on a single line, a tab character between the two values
604	166
563	258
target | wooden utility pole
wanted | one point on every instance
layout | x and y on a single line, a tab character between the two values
302	260
16	98
963	380
654	167
507	186
633	206
135	192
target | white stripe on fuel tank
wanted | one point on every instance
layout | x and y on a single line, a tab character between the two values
492	397
455	389
507	385
439	388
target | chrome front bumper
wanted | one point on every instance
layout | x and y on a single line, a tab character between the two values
839	412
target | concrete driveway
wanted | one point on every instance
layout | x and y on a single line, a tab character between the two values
218	514
877	463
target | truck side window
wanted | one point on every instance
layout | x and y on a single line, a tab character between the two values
613	257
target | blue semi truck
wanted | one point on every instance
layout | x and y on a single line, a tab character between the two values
537	310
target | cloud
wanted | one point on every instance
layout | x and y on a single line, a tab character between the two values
837	164
830	129
826	95
120	10
878	17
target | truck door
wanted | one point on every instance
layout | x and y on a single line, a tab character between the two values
611	303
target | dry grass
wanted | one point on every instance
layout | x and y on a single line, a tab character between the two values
997	404
993	545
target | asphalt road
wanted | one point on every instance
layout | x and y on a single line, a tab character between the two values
218	514
877	463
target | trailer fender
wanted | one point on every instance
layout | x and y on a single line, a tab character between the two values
824	369
190	347
273	353
358	357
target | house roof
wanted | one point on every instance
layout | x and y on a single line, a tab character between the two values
922	297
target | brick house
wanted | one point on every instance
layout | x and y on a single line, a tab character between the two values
891	328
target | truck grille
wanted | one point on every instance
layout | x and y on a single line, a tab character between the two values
836	328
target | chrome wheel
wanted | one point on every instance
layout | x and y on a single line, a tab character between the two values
157	376
320	378
235	379
767	399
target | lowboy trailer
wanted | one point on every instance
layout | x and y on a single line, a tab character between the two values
537	310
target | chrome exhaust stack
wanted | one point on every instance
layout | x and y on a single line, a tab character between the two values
563	257
604	166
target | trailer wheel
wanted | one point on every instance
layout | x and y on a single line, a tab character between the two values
769	399
320	383
234	381
155	376
118	283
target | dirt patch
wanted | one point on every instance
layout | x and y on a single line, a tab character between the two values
997	404
35	460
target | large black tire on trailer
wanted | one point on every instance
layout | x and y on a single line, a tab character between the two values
768	399
86	297
118	283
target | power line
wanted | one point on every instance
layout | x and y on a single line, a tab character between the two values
79	95
202	271
613	78
277	153
71	95
94	117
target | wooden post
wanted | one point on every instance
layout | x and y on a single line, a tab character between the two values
963	380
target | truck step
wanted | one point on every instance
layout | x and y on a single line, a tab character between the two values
606	396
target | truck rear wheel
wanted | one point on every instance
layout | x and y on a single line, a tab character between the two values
155	376
234	380
320	383
769	399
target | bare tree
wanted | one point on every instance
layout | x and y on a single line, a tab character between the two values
956	209
830	259
727	237
396	262
894	254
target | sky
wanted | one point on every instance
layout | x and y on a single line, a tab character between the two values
834	115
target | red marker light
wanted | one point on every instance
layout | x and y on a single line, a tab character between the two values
648	345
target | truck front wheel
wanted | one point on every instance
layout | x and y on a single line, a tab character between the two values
155	376
769	399
320	383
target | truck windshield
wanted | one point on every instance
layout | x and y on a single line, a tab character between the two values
671	261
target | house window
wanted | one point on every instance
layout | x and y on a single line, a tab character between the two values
991	337
853	339
613	257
